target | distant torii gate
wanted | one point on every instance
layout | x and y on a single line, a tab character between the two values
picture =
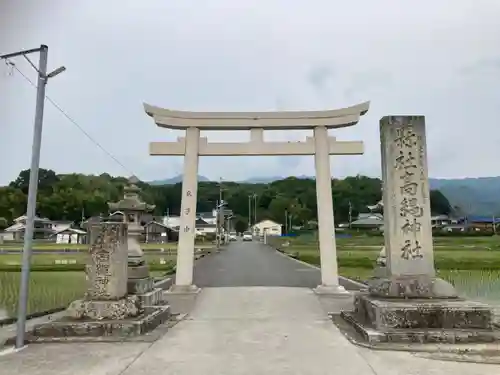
320	145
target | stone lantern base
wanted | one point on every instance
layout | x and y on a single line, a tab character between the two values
136	272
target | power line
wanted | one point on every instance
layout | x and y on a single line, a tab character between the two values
58	107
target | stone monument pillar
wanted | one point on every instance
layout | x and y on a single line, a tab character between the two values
408	303
407	213
106	275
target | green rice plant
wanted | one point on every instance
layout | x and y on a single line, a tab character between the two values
480	285
47	290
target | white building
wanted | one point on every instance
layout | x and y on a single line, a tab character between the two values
70	236
269	227
173	222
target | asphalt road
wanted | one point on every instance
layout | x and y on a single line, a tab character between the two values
253	264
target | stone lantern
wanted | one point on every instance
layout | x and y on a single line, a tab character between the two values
133	208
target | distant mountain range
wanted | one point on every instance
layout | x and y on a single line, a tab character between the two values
478	196
175	180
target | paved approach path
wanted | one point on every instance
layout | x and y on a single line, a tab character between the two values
237	330
253	264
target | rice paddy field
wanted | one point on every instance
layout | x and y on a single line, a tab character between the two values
472	264
57	279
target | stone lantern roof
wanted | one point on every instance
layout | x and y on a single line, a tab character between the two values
131	200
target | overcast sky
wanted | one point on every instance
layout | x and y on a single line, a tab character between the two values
439	58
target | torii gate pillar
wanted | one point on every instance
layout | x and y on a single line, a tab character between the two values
326	224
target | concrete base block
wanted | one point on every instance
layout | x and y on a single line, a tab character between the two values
421	320
181	299
67	328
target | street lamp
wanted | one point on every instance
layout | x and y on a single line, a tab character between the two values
33	183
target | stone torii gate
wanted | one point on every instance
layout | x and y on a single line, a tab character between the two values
320	145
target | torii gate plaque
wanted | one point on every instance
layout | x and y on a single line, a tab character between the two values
320	145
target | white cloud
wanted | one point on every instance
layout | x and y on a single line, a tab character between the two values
434	58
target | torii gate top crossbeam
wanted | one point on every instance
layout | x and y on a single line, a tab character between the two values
336	118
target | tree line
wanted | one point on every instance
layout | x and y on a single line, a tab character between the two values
68	196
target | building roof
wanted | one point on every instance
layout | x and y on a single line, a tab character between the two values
206	215
441	217
25	217
267	221
161	225
368	222
370	216
480	219
20	227
70	230
172	221
200	223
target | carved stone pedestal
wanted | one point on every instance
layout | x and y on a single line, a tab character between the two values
414	286
421	320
